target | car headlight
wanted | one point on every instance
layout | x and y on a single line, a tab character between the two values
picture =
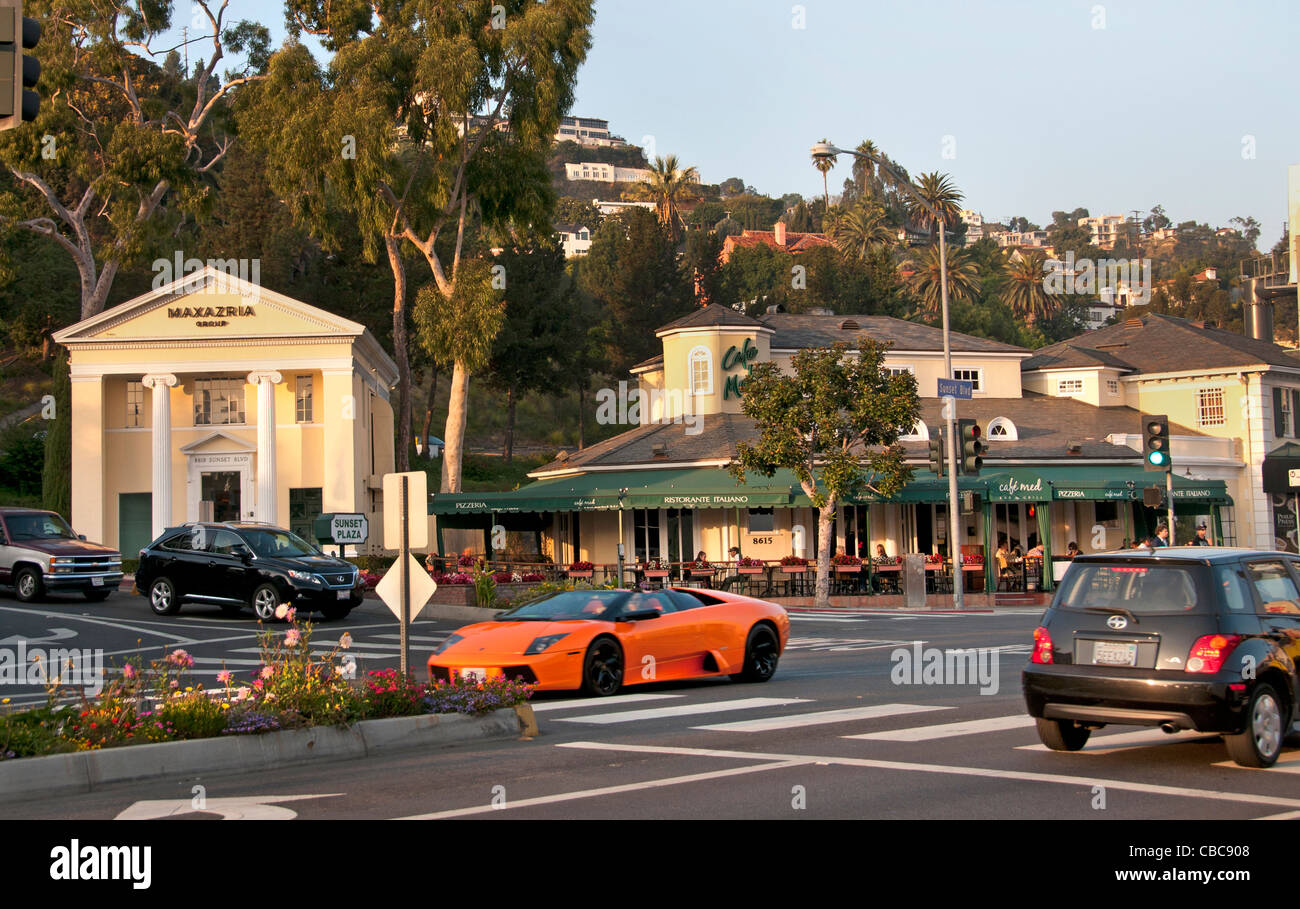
454	639
540	644
304	576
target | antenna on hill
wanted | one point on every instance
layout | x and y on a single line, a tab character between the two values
185	43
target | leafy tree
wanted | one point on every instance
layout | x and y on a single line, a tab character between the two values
925	278
1025	293
56	478
701	265
1249	228
732	186
132	145
835	423
1157	220
755	212
632	271
1021	224
706	214
569	210
757	275
537	327
800	220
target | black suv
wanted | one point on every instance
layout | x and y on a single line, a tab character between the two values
1194	638
233	565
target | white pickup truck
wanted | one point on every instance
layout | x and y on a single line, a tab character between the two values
39	552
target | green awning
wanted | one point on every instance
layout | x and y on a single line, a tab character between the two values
1121	482
698	487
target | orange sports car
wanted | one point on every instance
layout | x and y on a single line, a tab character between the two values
601	640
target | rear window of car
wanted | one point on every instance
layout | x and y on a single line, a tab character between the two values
1136	588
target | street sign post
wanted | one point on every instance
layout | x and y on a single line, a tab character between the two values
423	587
406	526
351	529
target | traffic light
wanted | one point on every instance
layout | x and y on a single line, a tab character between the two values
1155	443
18	71
970	453
936	456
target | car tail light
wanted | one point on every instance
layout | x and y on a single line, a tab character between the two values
1210	650
1042	646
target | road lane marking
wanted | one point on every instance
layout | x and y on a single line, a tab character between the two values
242	808
655	713
604	790
799	720
1085	782
589	702
947	730
113	623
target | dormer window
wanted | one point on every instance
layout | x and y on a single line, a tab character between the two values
699	367
1002	429
849	325
920	433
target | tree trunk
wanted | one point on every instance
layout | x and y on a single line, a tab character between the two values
825	516
428	407
510	425
402	413
454	439
582	415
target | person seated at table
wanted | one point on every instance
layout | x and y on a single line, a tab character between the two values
1036	552
702	562
1071	549
882	557
733	562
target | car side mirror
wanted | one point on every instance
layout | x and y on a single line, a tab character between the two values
243	553
81	537
637	615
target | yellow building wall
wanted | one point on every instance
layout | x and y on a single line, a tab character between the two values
677	349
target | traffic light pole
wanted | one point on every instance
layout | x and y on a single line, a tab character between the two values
1169	501
954	503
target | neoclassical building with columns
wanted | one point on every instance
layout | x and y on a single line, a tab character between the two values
212	398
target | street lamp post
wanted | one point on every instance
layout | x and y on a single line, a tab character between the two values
824	150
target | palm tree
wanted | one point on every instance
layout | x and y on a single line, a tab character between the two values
859	230
864	168
824	165
668	183
1025	293
938	190
924	281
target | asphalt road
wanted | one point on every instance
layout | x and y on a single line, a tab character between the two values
841	731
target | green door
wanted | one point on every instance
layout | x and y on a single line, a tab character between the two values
134	522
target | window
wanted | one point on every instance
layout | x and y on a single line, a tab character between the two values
1003	429
1112	386
973	376
1286	402
302	399
1106	512
762	520
1069	386
899	370
218	401
645	530
1277	592
134	403
1209	411
700	366
305	505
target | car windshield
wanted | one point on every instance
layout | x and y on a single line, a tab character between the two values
277	544
1134	588
38	527
570	604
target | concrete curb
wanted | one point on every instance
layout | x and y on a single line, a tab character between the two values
87	771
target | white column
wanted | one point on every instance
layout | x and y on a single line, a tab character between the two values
161	395
265	381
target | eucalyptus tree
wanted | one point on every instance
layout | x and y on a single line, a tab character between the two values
120	145
430	129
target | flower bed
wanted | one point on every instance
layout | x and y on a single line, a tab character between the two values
157	700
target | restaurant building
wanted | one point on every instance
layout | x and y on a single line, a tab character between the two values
212	398
1061	467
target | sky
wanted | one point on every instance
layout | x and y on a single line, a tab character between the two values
1030	105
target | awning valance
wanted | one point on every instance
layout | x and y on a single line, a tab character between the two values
1097	483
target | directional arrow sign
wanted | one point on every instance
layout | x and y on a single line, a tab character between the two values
245	808
54	634
389	588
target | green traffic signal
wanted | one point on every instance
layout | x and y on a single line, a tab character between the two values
1155	443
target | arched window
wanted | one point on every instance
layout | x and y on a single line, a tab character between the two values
920	433
699	366
1003	430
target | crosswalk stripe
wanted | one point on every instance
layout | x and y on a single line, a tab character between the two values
1123	741
415	638
819	618
948	730
539	706
654	713
798	720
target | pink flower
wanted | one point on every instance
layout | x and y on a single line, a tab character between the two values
281	611
267	672
290	613
128	671
291	637
224	677
346	641
175	684
180	658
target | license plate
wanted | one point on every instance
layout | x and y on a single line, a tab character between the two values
96	582
1110	653
344	594
474	675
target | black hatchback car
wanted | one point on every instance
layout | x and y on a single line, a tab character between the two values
236	565
1180	638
